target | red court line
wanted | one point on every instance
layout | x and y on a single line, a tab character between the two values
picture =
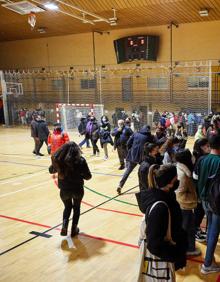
87	235
103	209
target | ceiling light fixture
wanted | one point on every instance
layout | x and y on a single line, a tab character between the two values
204	13
51	6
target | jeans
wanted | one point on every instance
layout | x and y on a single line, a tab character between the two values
85	140
213	233
130	167
94	146
70	202
188	224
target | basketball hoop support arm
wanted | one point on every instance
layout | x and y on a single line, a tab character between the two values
4	98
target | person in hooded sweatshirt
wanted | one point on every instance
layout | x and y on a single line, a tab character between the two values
82	131
135	146
161	193
105	135
150	157
92	132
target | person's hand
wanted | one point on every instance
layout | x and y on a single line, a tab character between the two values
119	129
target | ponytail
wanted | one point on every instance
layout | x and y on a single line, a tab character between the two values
151	176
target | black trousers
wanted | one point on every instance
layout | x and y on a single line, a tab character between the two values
122	154
71	202
94	146
40	144
36	143
199	214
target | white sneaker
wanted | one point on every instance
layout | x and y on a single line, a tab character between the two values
105	158
214	267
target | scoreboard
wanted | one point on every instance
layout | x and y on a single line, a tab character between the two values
139	47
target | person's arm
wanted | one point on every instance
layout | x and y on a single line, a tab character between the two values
86	174
130	141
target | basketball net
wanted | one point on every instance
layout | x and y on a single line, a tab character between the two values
32	19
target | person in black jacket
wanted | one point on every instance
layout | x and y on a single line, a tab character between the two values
34	133
72	169
92	132
149	158
162	184
135	146
82	131
105	135
42	133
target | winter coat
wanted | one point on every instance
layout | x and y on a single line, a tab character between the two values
56	140
157	221
186	192
94	133
74	178
42	130
143	172
121	136
105	135
34	128
82	126
136	143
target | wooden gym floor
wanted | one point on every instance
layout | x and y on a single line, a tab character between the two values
106	250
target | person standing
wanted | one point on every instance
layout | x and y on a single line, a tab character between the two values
57	138
34	133
42	134
162	214
105	135
121	133
156	118
208	167
187	198
72	169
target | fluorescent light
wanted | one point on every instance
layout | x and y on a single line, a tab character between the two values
51	6
204	13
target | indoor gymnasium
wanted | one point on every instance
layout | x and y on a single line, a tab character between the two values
110	140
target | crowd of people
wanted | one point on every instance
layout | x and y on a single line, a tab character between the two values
174	182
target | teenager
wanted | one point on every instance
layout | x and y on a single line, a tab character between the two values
105	135
162	213
72	169
92	132
82	132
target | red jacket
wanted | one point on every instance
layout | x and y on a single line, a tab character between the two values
56	140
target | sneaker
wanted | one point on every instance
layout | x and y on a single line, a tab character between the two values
121	167
200	237
119	190
34	152
210	269
74	231
195	253
105	158
39	154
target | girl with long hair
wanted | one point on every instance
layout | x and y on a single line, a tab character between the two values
72	169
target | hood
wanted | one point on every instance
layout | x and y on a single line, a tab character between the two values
183	168
148	197
145	130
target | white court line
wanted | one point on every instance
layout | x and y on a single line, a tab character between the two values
24	189
22	177
34	158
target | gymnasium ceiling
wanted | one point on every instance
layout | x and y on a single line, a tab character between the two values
130	13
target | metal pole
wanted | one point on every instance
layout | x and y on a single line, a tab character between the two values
4	98
94	62
68	89
210	88
100	90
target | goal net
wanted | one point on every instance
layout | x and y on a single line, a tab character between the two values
69	115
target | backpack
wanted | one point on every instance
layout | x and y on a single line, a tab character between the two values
213	193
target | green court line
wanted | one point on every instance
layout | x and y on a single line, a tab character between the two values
100	194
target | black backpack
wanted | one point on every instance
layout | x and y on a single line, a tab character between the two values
213	193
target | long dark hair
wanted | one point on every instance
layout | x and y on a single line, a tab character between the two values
197	150
148	148
185	157
65	158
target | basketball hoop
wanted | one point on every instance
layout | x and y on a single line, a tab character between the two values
32	19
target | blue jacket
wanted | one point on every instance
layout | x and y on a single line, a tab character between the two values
121	136
136	144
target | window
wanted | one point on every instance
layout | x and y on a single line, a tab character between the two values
198	82
127	89
157	83
88	83
58	84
